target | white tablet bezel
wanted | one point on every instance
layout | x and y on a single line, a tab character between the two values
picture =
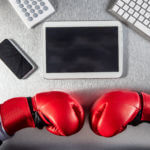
83	75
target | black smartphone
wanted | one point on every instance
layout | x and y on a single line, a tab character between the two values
15	59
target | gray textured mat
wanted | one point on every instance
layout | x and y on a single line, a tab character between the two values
136	77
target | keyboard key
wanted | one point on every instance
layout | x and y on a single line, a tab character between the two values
137	8
18	1
145	5
34	3
140	2
24	9
142	11
131	19
125	15
26	2
136	15
148	9
30	18
132	4
126	7
32	10
141	18
42	3
131	11
126	1
27	14
146	22
120	12
142	27
21	5
120	3
45	8
115	8
35	15
40	11
29	6
147	15
37	7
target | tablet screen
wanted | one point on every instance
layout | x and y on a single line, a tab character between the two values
82	49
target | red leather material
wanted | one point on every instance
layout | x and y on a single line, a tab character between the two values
112	112
16	115
60	111
146	107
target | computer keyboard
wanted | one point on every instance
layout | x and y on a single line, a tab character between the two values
135	13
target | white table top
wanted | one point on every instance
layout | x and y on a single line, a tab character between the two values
136	77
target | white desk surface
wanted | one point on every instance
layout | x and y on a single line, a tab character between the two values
136	77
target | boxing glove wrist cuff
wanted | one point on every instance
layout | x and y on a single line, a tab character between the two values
16	115
3	135
144	113
39	123
146	107
138	119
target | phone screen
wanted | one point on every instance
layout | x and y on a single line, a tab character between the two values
14	60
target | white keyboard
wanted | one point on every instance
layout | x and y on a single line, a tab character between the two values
135	13
32	12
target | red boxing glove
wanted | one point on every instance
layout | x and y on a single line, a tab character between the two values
58	111
115	110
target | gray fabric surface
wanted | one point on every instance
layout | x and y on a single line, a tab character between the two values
136	77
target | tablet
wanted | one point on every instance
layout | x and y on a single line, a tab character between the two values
83	49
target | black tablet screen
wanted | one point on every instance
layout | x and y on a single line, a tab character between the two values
82	49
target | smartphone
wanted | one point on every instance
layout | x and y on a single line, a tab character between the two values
16	60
